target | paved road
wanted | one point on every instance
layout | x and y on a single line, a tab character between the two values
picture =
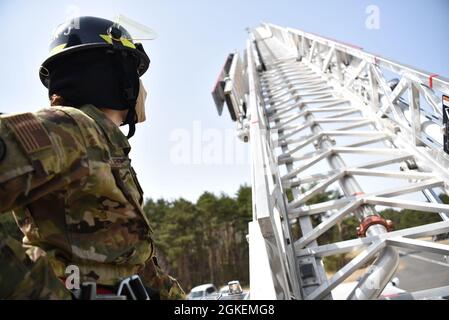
422	270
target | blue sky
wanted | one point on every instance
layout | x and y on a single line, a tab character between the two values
194	38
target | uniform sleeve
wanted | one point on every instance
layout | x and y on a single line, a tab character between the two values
155	278
21	278
39	153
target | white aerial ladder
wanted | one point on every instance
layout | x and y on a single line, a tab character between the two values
323	115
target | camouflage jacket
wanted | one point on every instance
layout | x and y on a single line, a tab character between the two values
20	278
66	174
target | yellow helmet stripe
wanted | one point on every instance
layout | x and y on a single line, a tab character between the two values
127	43
57	49
106	38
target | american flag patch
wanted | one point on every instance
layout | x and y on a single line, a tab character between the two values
29	131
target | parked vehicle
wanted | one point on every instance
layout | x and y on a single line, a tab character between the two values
234	292
202	291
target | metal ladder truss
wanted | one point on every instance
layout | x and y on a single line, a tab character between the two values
321	115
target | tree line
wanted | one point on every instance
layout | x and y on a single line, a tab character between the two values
205	241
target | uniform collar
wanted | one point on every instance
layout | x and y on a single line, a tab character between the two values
112	132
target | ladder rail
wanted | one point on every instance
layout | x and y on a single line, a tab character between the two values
268	208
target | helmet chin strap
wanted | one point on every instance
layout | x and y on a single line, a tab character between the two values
130	91
131	122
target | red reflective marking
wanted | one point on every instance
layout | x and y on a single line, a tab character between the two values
431	80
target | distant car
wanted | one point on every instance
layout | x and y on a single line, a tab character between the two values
202	292
234	287
233	291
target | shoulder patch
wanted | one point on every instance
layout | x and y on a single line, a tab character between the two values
29	131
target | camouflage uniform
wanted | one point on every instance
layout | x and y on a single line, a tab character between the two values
21	278
67	177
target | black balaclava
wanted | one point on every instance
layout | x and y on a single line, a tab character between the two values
102	77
